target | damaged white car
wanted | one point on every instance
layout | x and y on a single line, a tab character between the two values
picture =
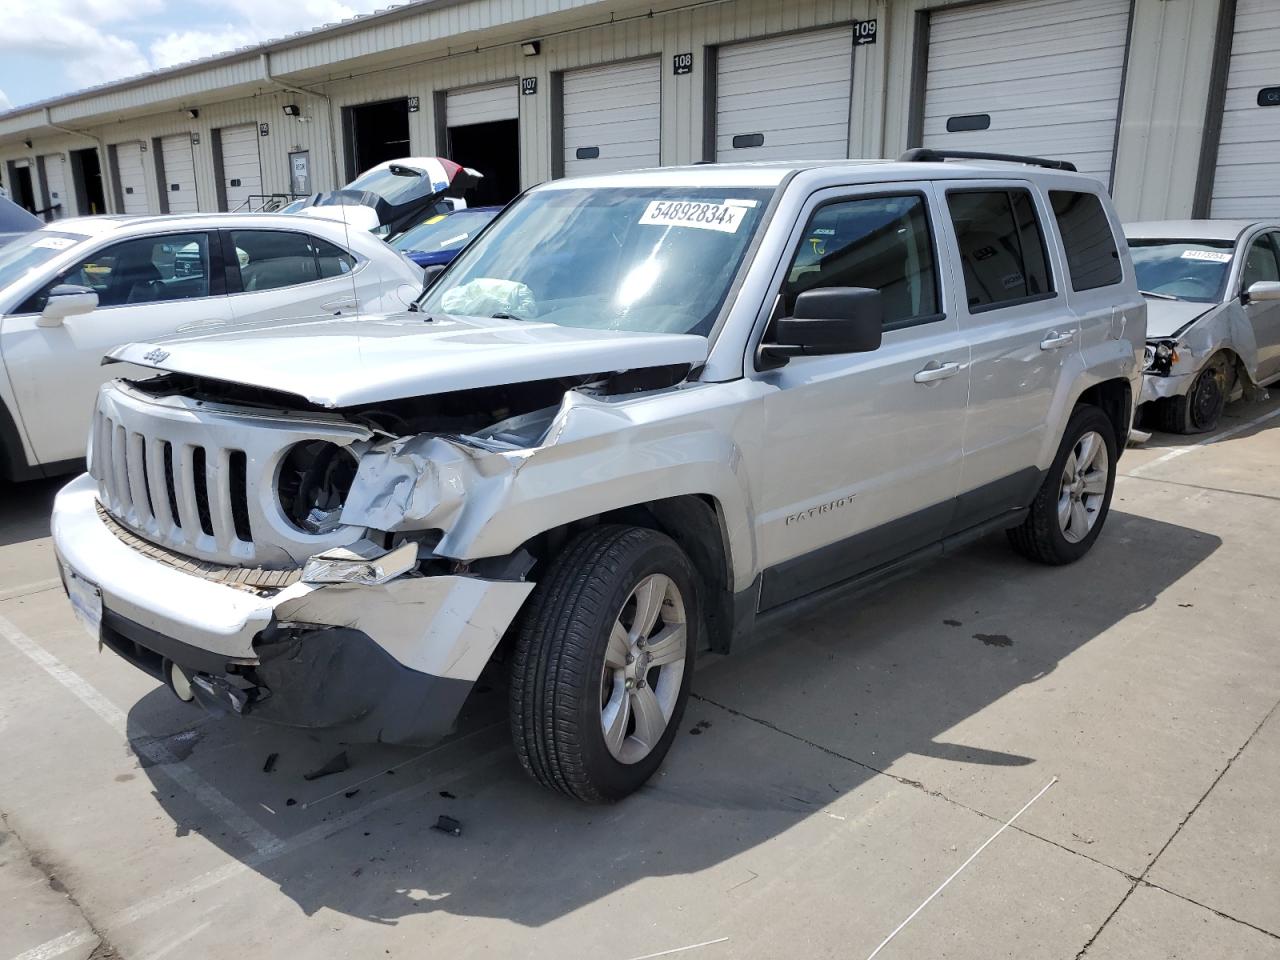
1213	316
637	416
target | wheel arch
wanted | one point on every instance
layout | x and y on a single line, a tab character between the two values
1113	397
13	457
696	522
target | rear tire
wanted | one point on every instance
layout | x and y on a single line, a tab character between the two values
602	663
1072	504
1200	410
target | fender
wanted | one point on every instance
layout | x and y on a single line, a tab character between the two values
599	455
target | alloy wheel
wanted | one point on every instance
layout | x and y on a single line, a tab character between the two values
643	668
1083	486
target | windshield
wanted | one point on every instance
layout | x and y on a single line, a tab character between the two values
395	184
651	259
28	253
444	232
1194	270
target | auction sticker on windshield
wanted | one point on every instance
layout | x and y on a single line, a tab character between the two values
1212	256
724	217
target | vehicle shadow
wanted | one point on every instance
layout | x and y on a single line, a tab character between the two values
798	721
25	509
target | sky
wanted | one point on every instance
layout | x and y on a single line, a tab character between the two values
52	47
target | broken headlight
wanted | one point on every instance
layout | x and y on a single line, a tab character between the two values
314	480
1159	357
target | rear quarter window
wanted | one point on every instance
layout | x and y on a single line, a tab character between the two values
1093	259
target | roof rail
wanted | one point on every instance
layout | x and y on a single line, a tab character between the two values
927	155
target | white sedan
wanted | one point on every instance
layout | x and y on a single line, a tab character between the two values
79	287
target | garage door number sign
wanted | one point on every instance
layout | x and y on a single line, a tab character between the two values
864	32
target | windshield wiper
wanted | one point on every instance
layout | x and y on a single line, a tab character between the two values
1158	296
505	316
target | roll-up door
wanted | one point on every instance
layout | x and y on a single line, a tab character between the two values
179	173
612	117
786	98
1037	77
133	177
55	180
241	165
1246	181
482	104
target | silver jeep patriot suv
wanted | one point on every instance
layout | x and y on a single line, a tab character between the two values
638	415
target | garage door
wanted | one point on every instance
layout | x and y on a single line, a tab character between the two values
179	173
241	166
1246	182
55	181
133	177
1039	77
612	118
786	98
482	104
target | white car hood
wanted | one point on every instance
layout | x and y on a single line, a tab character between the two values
339	362
1166	317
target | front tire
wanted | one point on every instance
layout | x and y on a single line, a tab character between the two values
1201	409
1072	504
602	663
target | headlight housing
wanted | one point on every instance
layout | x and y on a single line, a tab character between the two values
314	480
1159	356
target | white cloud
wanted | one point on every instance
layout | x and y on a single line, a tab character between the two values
5	102
175	48
96	41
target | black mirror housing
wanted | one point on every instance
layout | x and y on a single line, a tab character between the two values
829	320
430	275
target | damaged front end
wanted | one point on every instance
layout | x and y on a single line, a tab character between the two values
306	566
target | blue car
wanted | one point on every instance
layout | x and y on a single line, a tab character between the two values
438	239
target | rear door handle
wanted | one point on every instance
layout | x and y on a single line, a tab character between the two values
1055	340
940	372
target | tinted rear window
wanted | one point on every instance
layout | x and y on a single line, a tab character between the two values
1001	247
1092	258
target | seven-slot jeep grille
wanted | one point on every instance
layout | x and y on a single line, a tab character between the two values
201	479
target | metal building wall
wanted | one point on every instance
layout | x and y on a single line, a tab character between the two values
1162	116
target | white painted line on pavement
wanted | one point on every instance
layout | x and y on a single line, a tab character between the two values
208	796
58	946
1180	451
692	946
898	929
40	586
321	831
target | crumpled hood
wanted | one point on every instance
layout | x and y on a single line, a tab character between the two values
341	362
1166	317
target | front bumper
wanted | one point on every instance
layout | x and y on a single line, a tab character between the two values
1155	387
391	662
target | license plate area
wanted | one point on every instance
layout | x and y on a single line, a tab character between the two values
86	601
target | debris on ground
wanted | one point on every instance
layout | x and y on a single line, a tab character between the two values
953	623
335	765
448	825
351	793
994	639
270	765
447	795
290	802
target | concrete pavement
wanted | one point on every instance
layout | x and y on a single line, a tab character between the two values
828	779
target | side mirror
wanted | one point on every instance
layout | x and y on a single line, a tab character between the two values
827	321
66	300
430	274
1262	290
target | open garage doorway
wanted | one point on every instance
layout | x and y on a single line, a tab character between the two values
483	133
375	133
86	176
21	190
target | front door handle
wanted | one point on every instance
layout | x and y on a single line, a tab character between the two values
348	303
1055	340
937	371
